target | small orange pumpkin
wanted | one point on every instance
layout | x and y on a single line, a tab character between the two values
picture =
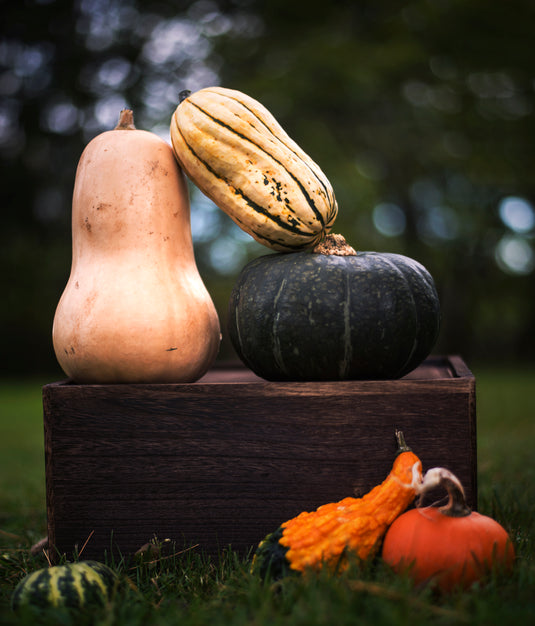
450	546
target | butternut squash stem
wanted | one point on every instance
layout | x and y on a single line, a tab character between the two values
126	120
441	477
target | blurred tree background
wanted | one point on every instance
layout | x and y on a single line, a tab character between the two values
420	112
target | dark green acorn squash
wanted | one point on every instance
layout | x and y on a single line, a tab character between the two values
333	314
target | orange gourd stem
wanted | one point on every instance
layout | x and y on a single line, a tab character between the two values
354	525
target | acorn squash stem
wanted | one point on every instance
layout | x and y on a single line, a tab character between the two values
334	244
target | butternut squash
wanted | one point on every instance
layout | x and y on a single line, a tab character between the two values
135	309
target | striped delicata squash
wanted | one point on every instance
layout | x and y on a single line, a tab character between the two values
238	155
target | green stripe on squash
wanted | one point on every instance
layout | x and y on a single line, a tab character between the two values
290	225
306	195
319	176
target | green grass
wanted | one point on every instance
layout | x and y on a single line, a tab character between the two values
191	589
22	481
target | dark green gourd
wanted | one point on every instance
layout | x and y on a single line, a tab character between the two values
333	314
73	586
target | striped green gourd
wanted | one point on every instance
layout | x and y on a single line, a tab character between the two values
238	155
74	585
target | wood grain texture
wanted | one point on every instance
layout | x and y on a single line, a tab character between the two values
227	459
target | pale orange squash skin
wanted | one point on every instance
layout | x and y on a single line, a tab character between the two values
135	309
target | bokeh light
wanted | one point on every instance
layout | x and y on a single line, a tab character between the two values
517	214
389	219
514	255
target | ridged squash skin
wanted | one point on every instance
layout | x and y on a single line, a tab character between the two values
334	531
315	316
74	586
135	309
238	155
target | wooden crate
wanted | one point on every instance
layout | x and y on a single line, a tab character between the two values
225	460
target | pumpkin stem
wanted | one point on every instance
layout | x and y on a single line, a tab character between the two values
126	120
334	245
441	477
